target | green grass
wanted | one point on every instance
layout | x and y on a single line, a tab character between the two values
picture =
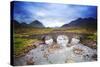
79	30
92	37
22	40
22	43
30	31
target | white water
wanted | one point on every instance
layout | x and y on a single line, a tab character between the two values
62	55
41	55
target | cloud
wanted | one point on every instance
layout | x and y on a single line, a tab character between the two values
51	14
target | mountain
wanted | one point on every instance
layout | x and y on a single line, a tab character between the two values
23	24
36	23
16	24
89	23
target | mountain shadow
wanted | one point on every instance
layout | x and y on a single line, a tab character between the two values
33	24
88	23
36	24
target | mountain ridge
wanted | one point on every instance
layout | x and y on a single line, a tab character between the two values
89	23
34	24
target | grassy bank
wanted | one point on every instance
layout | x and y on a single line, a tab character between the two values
23	43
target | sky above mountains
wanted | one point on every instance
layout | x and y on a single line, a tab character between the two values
51	14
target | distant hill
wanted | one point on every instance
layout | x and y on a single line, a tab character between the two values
35	24
89	23
23	24
16	24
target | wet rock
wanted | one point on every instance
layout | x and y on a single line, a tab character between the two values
75	41
48	40
30	62
94	57
60	52
78	51
90	43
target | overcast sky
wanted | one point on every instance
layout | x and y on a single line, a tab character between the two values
51	14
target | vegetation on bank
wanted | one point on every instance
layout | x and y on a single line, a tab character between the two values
23	43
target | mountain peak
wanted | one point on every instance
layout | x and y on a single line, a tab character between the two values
36	23
90	23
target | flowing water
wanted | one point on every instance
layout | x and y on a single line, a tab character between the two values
41	55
